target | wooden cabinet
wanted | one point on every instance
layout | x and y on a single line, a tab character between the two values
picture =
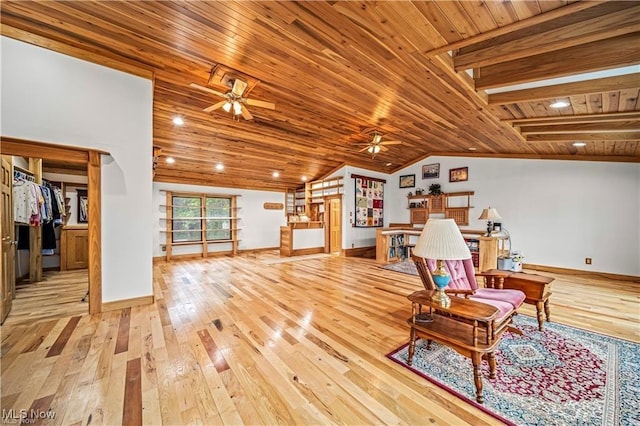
452	204
484	251
74	248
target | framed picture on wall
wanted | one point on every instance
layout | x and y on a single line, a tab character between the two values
431	171
407	181
459	175
83	206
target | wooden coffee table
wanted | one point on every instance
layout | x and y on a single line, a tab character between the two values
466	326
537	289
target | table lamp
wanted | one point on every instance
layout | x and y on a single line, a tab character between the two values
441	240
490	215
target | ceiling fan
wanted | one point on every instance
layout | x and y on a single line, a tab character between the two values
233	99
377	145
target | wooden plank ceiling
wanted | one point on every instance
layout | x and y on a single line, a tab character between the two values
335	68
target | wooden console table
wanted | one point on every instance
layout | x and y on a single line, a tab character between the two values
466	326
537	289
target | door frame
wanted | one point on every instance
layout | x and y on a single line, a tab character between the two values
327	221
77	155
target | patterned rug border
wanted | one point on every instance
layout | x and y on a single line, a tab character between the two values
447	388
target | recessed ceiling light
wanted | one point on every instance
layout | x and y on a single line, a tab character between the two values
170	160
472	148
219	167
178	121
579	144
559	104
388	164
304	178
276	174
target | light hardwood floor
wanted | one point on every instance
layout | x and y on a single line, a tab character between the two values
237	341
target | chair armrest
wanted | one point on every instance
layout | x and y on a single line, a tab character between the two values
494	278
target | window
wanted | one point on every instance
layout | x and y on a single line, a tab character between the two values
220	227
187	223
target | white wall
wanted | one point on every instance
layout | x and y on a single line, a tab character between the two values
260	227
54	98
353	237
557	212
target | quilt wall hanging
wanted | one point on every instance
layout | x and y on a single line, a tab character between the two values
369	201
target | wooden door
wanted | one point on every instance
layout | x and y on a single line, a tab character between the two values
335	225
74	248
8	263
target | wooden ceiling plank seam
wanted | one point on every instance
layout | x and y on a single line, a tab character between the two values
458	18
502	12
481	14
605	84
629	100
432	13
604	54
526	23
526	9
616	24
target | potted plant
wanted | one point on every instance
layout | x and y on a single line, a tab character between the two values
435	189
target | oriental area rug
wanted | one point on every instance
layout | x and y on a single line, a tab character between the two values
559	376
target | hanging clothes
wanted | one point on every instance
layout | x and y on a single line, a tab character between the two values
25	201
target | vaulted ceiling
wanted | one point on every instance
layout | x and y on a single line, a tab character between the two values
335	68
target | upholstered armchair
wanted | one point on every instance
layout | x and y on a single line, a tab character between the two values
463	284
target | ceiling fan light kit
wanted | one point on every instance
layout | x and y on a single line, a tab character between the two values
234	98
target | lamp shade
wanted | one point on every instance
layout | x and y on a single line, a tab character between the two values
441	239
490	214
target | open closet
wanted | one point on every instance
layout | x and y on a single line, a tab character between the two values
45	231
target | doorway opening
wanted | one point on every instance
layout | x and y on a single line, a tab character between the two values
53	258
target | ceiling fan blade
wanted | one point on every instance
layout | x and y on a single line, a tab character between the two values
206	89
238	87
246	114
261	104
391	143
214	106
364	149
383	148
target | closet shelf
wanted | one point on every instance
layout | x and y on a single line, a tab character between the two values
199	207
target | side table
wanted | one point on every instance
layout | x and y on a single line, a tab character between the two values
467	326
537	290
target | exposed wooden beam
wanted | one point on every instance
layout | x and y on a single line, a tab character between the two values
516	26
605	127
578	157
598	85
603	27
583	118
603	54
564	137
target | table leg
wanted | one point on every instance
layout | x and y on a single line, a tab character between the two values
547	309
539	315
412	345
476	359
492	365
